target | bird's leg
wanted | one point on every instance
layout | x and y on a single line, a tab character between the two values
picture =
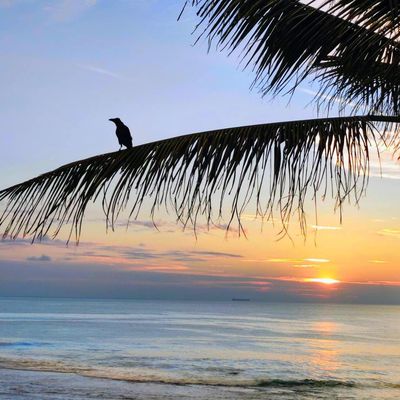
120	147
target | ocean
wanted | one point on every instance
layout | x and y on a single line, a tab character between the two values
132	349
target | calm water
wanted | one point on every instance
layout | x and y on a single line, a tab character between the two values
84	349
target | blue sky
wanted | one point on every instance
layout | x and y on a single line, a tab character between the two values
69	65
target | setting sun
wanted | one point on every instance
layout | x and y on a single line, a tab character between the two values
326	281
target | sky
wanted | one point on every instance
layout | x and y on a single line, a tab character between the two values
67	66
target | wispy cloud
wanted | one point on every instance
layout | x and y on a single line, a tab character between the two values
317	260
387	167
169	268
390	232
131	255
298	261
315	94
376	283
89	252
326	228
99	70
42	258
18	242
217	254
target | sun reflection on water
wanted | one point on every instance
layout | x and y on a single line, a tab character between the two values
325	349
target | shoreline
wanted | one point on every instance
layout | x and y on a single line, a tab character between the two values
66	385
129	376
44	385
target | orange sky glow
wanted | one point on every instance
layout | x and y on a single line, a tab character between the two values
362	251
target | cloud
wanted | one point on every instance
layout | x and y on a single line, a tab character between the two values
214	227
43	258
217	254
387	168
298	261
390	232
171	281
20	241
139	254
169	268
196	255
315	94
326	228
94	254
378	283
136	224
99	70
128	254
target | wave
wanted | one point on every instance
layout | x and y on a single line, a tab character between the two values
306	382
21	344
132	376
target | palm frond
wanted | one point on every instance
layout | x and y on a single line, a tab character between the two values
287	41
382	16
211	175
375	87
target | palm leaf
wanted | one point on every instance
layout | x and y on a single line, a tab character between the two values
376	87
287	41
382	16
211	175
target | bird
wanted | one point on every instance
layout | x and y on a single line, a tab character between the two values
123	133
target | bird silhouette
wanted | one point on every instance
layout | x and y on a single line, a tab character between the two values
123	133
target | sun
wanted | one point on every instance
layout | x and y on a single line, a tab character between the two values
325	281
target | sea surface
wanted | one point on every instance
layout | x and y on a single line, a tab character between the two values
130	349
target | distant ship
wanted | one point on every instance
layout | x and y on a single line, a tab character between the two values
239	299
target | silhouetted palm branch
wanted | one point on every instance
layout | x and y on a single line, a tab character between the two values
211	174
350	47
351	43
